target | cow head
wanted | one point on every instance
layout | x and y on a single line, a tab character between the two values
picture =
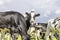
31	16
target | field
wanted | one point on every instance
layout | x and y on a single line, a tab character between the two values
5	35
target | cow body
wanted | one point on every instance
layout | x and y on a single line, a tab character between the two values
39	29
15	22
53	28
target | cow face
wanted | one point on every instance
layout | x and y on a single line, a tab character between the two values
31	16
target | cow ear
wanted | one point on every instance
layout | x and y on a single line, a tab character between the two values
27	13
37	15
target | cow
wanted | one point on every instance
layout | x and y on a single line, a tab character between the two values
50	26
30	18
14	21
39	29
53	27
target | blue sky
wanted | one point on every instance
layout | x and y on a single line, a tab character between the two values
47	8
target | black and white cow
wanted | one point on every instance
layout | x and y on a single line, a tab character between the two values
15	22
40	28
53	24
30	18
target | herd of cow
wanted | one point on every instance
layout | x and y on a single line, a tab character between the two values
25	25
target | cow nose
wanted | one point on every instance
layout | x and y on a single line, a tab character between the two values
31	22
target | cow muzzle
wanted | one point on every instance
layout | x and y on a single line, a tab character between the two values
32	22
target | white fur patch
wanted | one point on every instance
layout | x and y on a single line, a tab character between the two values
32	17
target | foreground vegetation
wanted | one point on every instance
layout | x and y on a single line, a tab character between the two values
5	35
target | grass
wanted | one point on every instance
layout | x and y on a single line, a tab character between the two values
7	36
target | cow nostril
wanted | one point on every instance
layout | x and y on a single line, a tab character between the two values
31	21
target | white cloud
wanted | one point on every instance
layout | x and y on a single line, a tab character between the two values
8	1
47	13
4	1
57	11
1	2
47	6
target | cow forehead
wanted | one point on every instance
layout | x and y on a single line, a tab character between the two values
33	14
